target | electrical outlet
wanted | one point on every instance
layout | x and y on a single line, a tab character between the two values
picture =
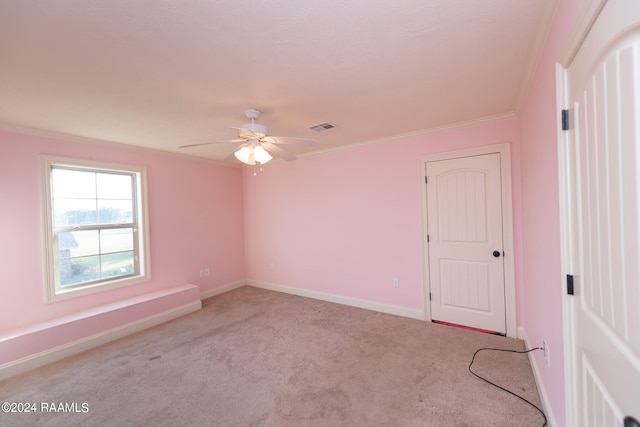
547	354
396	283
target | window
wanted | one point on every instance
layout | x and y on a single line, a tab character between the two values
95	221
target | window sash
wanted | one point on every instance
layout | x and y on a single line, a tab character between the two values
100	253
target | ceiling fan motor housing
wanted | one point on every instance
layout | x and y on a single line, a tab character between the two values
257	129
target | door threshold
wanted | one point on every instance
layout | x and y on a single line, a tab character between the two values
469	328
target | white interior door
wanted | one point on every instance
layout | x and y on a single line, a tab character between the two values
464	220
603	220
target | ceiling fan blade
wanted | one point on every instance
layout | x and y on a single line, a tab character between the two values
231	157
290	140
276	151
211	143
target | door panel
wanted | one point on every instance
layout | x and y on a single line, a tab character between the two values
604	179
462	213
464	219
465	285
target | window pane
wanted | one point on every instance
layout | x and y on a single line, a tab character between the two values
66	242
78	243
73	184
118	240
115	211
114	186
74	212
118	264
79	270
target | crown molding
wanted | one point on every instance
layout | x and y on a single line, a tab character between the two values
437	129
537	51
22	130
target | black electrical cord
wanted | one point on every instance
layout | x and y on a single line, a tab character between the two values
502	388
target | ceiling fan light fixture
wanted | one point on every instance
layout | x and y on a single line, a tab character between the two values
261	155
253	154
244	155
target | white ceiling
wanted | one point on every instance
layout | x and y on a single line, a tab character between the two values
166	73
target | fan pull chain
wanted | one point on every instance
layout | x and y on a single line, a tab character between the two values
254	170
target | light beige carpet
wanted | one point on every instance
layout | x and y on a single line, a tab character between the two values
253	357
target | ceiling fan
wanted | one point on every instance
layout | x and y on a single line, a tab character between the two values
256	146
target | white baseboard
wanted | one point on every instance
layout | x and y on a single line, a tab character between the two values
40	359
546	404
353	302
222	289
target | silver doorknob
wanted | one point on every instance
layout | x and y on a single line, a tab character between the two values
631	422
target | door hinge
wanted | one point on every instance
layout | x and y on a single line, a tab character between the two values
429	296
565	119
427	238
569	284
425	179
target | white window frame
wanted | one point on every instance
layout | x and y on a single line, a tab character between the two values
55	292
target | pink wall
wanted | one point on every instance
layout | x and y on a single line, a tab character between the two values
541	220
348	222
195	216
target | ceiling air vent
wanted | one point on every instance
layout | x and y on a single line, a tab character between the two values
322	127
